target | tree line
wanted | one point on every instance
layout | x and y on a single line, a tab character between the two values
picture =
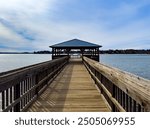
127	51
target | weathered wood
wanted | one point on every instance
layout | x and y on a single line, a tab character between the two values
6	80
72	90
32	90
120	108
17	96
135	87
3	100
17	86
7	97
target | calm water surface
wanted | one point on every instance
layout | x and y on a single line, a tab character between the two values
13	61
136	64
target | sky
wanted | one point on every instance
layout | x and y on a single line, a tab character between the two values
32	25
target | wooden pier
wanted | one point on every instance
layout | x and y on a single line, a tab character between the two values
72	90
73	85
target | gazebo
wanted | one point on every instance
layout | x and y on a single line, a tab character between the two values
76	47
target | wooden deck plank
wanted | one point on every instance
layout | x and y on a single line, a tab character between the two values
73	90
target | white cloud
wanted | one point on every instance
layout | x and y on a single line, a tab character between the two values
26	5
22	15
36	18
9	37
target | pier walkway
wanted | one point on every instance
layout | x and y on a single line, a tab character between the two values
72	90
65	84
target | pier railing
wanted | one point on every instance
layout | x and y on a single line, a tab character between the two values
123	91
19	88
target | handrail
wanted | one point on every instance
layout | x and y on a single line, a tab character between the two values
20	87
123	91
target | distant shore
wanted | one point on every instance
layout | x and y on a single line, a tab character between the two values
126	51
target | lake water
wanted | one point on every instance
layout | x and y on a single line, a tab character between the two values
136	64
13	61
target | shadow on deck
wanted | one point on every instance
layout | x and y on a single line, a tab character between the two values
72	90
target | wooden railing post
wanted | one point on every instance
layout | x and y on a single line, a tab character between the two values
3	100
113	95
16	96
36	82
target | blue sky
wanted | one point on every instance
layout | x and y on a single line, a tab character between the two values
28	25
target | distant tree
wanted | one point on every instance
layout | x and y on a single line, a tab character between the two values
42	52
127	51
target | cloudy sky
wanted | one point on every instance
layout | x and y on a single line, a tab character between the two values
28	25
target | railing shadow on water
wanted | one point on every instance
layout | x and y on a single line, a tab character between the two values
122	91
20	88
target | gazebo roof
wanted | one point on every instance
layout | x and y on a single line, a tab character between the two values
75	43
